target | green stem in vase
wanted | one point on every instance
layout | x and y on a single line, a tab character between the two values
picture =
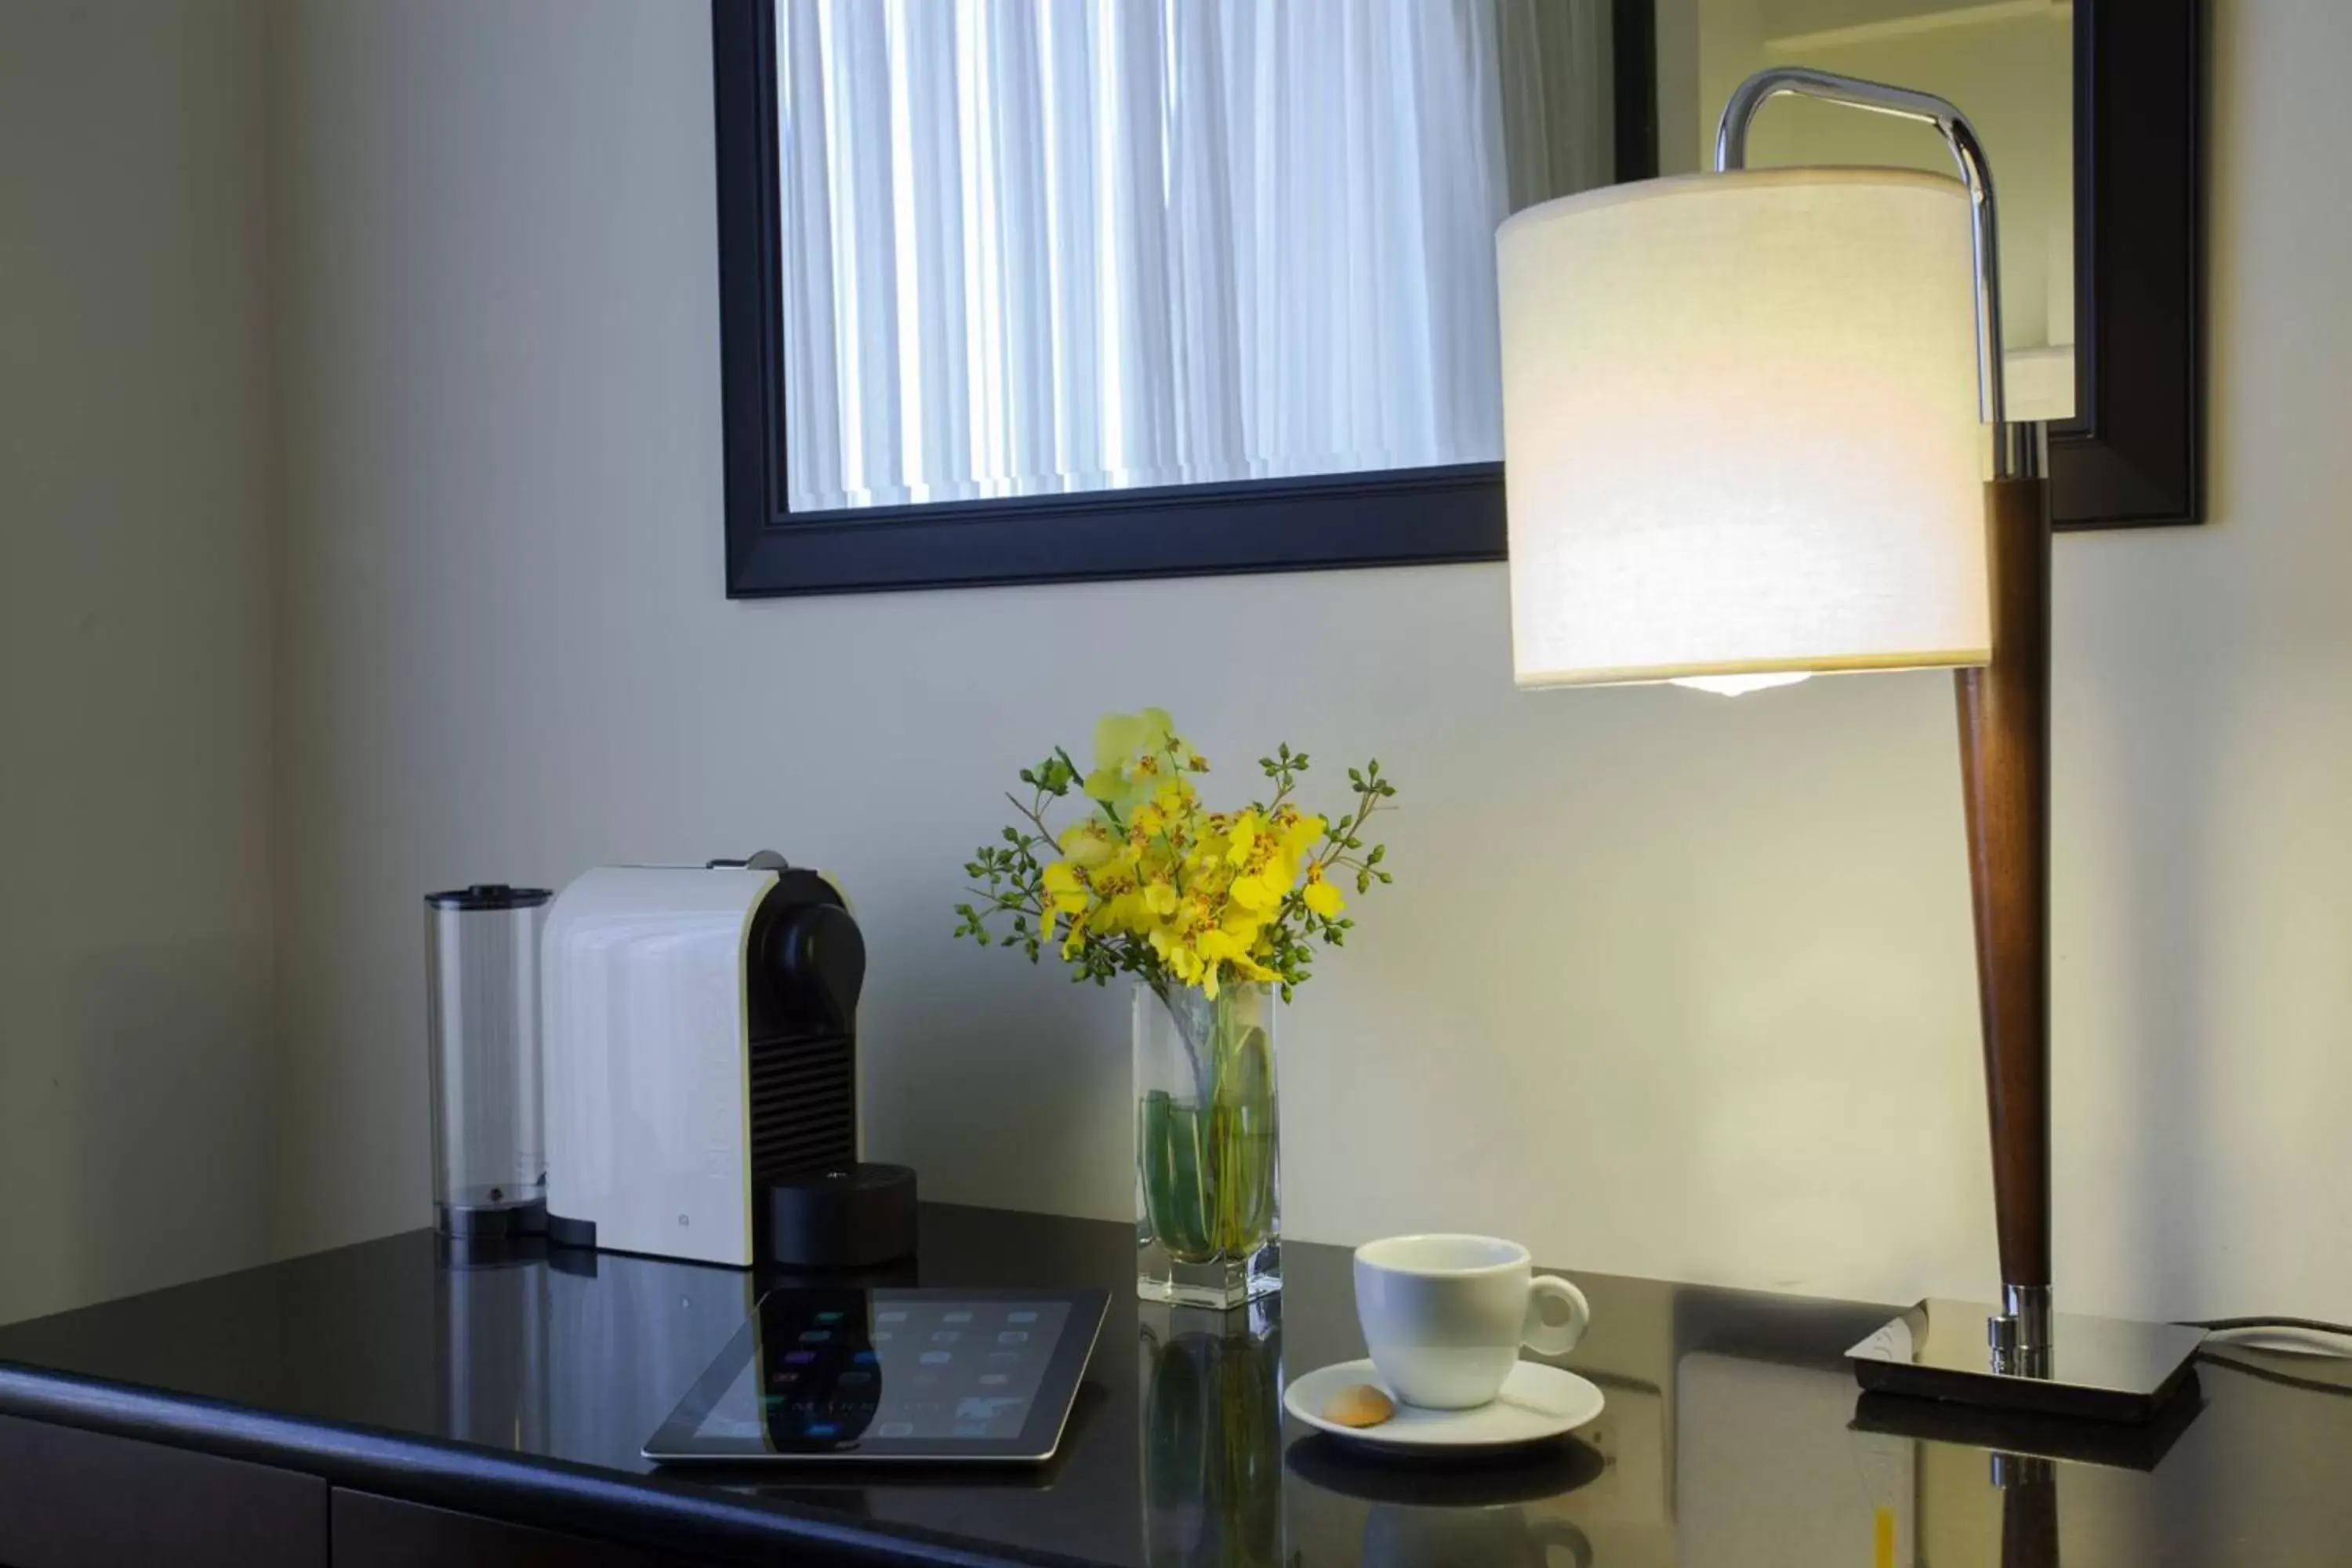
1168	1146
1241	1119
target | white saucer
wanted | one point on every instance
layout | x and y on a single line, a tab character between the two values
1537	1402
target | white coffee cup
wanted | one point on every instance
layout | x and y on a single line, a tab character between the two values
1444	1316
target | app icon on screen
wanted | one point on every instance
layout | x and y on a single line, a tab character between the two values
1023	1316
1012	1337
955	1316
938	1358
890	1317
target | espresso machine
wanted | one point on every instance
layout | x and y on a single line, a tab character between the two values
700	1070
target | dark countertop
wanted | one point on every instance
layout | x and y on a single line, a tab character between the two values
1734	1433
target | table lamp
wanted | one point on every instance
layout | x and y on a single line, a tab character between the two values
1743	433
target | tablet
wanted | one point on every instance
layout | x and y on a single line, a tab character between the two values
921	1376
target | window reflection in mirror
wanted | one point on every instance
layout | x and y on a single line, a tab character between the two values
1036	248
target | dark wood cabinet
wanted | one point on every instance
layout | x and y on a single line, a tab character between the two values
71	1499
372	1531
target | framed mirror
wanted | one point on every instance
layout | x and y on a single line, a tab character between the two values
1035	290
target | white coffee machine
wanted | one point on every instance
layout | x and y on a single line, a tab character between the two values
700	1054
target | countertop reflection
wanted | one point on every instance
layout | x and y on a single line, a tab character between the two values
1734	1434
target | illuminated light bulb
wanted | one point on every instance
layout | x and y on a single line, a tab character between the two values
1740	685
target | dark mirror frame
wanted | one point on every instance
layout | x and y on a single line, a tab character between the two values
2132	458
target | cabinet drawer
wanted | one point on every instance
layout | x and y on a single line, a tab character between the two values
372	1531
70	1499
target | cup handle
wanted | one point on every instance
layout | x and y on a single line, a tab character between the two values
1558	1533
1554	1338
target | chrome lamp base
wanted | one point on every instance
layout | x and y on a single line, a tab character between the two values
2102	1369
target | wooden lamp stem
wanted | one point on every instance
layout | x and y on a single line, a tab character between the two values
2114	1369
2004	711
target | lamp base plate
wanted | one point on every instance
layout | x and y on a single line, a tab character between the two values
2102	1369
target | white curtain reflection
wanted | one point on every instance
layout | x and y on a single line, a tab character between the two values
1037	245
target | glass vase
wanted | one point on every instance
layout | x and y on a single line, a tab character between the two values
1208	1162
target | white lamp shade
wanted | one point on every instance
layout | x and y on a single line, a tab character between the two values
1740	432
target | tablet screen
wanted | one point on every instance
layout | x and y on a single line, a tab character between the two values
922	1374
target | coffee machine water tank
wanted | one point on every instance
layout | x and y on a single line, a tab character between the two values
482	1043
700	1041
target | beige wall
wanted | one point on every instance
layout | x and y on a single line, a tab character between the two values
1665	984
136	1105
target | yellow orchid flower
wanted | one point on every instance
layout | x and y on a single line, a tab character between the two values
1321	896
1123	741
1260	891
1214	946
1090	844
1249	968
1126	912
1065	889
